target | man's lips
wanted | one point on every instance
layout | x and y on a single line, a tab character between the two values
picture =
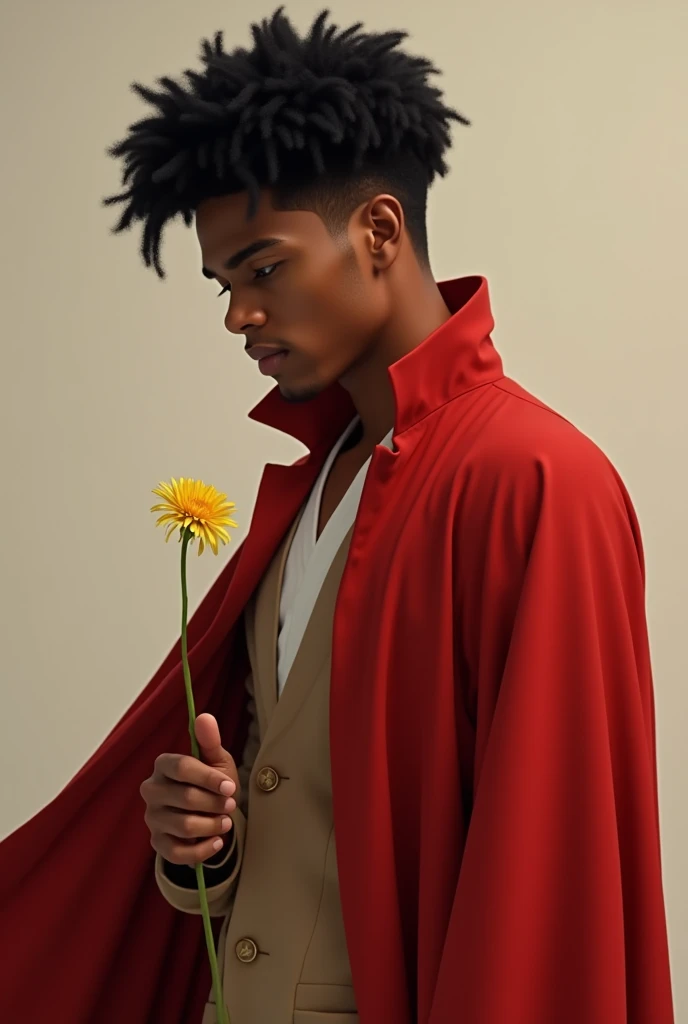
269	358
263	351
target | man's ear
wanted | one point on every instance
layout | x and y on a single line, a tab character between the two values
383	224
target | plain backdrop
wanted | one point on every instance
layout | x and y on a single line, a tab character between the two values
569	192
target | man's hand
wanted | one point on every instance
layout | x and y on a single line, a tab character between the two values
188	802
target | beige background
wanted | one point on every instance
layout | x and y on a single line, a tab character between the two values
569	193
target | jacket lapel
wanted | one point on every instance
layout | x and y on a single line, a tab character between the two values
315	647
262	629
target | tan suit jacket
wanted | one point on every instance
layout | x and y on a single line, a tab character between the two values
282	948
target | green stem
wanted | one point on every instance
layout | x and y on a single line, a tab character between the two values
221	1009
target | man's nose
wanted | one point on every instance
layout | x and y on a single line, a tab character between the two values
242	319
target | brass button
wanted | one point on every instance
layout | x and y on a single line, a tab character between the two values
268	779
246	951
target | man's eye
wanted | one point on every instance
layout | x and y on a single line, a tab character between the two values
259	275
264	272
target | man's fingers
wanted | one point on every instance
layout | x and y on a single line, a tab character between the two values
181	797
176	851
192	826
210	746
208	735
187	769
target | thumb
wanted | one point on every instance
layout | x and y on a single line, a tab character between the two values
212	752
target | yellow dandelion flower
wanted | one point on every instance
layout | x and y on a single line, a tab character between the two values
196	510
198	506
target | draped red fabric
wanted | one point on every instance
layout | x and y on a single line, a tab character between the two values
492	735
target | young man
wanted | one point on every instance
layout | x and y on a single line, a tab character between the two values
429	659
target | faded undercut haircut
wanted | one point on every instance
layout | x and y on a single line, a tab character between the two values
325	121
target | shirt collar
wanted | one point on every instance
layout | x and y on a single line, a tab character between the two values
455	358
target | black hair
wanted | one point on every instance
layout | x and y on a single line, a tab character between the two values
321	120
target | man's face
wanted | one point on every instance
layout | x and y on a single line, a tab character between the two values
305	292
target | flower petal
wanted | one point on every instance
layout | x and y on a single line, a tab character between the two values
168	517
170	529
194	506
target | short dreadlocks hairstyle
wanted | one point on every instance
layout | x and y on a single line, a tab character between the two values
323	121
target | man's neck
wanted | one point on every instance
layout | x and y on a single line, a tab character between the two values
417	313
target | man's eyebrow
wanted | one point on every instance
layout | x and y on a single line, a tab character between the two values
244	254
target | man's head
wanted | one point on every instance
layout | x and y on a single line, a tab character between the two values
325	147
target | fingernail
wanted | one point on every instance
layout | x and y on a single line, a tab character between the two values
230	805
226	823
218	844
227	788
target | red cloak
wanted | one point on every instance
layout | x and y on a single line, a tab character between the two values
492	735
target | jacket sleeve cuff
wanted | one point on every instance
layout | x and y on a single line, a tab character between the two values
186	898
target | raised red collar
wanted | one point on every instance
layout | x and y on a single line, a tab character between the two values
455	358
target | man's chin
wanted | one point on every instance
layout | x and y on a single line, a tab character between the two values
296	395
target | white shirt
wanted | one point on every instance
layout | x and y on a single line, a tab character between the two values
310	556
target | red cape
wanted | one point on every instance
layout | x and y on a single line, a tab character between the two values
492	735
